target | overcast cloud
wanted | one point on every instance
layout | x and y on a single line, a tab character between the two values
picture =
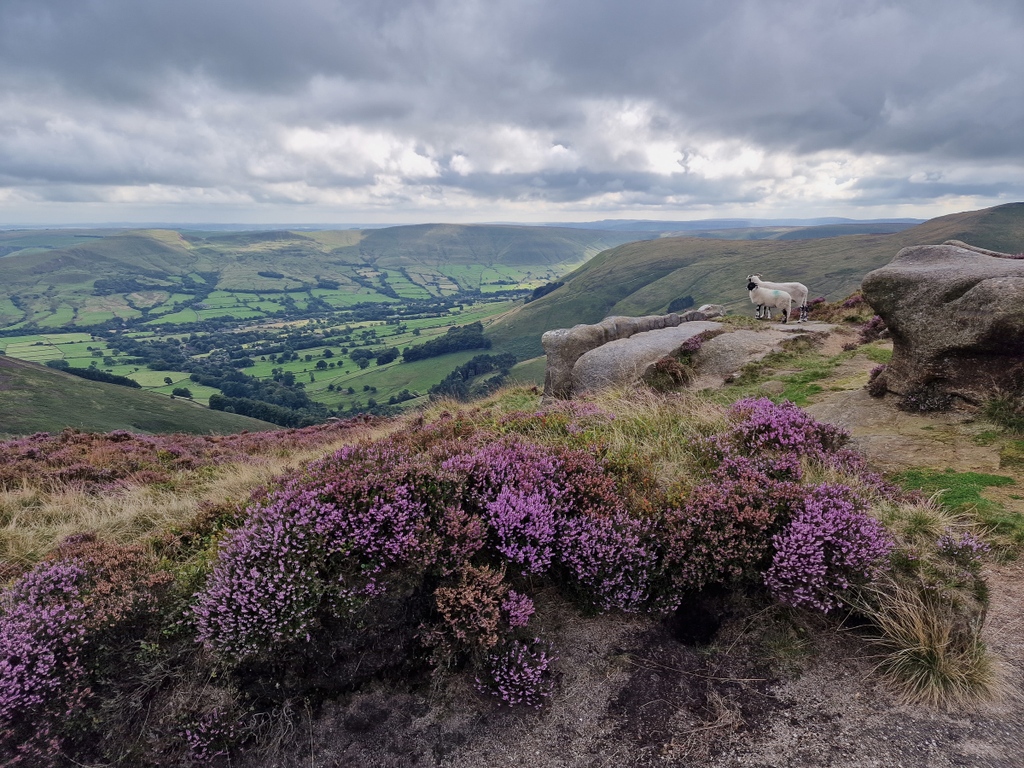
527	110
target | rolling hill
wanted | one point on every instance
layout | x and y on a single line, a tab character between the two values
34	398
641	278
76	278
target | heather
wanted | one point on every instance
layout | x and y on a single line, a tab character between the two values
101	462
126	486
437	552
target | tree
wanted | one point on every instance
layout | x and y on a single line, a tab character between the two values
168	380
182	392
388	355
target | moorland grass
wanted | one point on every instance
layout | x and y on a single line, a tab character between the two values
962	491
933	654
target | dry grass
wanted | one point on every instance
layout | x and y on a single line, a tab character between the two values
657	430
921	523
662	428
933	656
34	518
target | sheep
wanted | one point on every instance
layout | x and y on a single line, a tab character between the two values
798	291
770	297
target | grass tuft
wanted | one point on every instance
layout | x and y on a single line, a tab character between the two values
932	657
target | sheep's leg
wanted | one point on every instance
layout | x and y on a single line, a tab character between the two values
785	317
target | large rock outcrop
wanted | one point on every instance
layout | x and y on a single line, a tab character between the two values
625	360
565	346
622	350
956	315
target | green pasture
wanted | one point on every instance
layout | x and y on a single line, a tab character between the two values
64	315
389	379
187	315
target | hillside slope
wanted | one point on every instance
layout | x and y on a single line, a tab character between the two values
643	277
34	398
64	278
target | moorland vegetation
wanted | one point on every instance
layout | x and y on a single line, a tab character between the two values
216	586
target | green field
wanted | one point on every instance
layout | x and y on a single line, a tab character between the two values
82	350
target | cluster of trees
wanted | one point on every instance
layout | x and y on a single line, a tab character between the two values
259	409
678	305
458	383
93	374
542	290
362	357
457	338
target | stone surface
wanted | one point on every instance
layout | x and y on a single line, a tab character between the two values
625	360
726	354
956	315
894	440
564	346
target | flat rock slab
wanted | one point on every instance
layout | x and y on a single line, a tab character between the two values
626	360
725	355
894	440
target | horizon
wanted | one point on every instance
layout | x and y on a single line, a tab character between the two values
734	222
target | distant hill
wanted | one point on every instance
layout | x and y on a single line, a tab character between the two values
643	277
34	398
81	278
717	225
68	278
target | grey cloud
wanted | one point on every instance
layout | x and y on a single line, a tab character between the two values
210	95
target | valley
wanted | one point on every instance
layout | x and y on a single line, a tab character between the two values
295	327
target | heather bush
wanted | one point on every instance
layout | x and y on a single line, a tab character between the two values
314	546
963	548
42	677
518	673
64	626
876	382
761	425
853	301
723	530
469	515
471	610
101	462
829	545
668	373
873	330
514	486
211	735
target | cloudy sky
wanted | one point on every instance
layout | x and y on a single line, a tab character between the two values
375	111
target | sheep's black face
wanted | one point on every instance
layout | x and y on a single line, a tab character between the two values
751	286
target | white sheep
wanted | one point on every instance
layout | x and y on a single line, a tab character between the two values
798	292
766	298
